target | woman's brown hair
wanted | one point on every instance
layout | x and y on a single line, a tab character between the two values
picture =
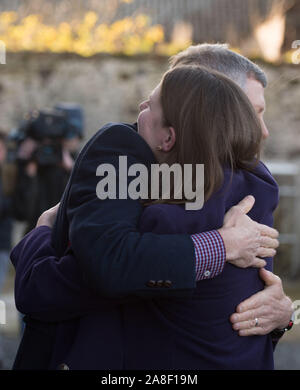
214	121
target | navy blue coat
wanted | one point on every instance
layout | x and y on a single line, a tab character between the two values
147	332
115	258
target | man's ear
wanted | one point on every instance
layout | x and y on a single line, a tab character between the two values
169	139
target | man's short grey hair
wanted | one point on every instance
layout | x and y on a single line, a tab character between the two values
220	58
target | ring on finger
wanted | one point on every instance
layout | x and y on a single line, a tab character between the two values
256	322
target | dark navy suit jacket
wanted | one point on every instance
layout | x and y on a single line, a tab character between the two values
166	332
115	258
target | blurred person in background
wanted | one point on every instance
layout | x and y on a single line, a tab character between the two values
5	224
45	147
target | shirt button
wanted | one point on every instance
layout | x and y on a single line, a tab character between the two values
207	273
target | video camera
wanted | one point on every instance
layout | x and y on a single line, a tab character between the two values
47	127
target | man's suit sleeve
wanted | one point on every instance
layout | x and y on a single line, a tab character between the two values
51	289
116	259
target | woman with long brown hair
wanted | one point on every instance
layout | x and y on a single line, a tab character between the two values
200	116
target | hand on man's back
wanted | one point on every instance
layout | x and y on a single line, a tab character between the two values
247	241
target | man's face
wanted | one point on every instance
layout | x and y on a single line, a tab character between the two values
255	92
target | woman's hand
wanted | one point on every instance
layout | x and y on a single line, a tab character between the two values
272	308
48	217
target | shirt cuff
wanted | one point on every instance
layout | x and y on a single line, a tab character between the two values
210	254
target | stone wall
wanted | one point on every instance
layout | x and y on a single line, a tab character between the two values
110	89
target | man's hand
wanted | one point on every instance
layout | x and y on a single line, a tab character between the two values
246	241
272	308
48	217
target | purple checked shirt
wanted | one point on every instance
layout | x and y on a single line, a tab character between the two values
210	254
